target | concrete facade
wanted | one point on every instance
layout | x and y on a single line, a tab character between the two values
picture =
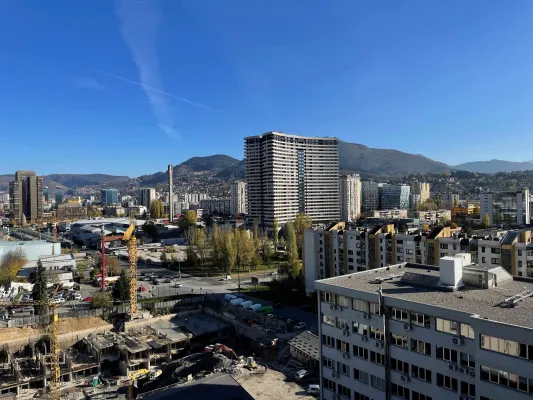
238	198
424	342
350	187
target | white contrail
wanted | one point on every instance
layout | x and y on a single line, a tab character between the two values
174	96
140	21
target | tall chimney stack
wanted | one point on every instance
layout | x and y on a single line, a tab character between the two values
170	195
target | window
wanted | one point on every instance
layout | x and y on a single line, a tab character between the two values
343	346
360	305
343	323
519	264
399	250
399	315
399	258
400	391
494	261
350	259
328	341
342	301
468	389
446	326
374	309
361	329
444	246
399	365
377	358
328	319
377	382
350	252
495	250
420	396
467	331
468	360
408	251
421	347
400	341
507	379
330	385
447	382
447	354
483	249
508	347
443	255
420	319
328	362
376	333
344	391
360	352
360	375
519	253
359	396
343	368
421	373
399	241
483	259
327	297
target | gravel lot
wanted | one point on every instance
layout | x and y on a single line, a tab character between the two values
272	386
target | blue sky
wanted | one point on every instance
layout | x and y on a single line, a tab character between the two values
128	87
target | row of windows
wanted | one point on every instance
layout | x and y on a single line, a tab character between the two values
508	347
447	326
507	379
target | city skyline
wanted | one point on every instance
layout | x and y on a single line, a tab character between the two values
89	81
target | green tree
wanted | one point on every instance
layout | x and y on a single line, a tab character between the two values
188	220
301	223
150	229
39	289
443	220
292	249
229	251
217	245
275	232
10	265
265	246
201	246
81	267
157	209
485	222
95	271
102	300
121	289
112	266
163	258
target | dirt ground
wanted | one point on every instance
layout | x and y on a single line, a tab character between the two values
65	326
271	386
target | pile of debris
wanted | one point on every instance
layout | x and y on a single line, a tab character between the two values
200	365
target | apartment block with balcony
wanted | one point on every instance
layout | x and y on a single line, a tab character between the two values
420	332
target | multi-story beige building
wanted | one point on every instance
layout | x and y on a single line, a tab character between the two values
350	186
26	196
289	174
422	189
337	251
238	198
71	211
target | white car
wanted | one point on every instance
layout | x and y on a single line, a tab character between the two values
76	296
178	285
59	300
300	325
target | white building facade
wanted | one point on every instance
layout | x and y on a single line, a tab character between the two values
350	188
238	198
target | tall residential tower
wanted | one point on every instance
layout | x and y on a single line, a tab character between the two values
26	196
289	174
350	186
238	198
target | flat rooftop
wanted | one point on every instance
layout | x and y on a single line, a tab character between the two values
198	324
307	343
420	288
217	386
171	330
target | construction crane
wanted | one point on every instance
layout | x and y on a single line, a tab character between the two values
129	236
55	370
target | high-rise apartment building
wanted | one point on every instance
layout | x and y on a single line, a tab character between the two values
350	187
109	196
45	193
238	198
369	196
26	196
170	193
394	196
450	200
59	194
421	188
419	332
146	196
289	174
485	206
522	207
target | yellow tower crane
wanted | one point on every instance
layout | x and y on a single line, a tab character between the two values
129	236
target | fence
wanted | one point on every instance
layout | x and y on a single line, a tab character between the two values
173	303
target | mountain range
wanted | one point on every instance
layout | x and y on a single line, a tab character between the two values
353	157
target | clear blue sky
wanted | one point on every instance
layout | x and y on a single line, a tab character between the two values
128	87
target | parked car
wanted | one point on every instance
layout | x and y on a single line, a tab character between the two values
300	325
88	299
300	374
168	280
59	300
178	285
313	389
141	289
75	296
30	310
